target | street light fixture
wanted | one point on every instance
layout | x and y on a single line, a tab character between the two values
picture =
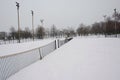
17	4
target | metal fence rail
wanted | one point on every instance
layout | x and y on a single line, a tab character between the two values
11	64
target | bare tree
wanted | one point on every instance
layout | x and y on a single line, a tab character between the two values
47	32
12	32
40	32
53	31
27	33
117	15
83	30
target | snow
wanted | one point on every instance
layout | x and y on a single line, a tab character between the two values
79	59
9	49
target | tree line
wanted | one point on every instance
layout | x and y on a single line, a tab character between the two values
40	33
110	26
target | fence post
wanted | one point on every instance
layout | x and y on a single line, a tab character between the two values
58	43
40	54
55	44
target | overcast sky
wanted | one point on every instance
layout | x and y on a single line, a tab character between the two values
62	13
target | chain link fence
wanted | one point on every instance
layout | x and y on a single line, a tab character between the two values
11	64
62	42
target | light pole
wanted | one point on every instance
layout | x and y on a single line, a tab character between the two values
105	25
17	4
115	24
32	23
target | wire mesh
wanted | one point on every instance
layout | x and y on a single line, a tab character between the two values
11	64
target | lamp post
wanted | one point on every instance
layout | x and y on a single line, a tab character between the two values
105	25
17	4
32	23
115	24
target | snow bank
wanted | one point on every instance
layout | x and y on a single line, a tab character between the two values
79	59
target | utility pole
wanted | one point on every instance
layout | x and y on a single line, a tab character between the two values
17	4
32	23
115	24
105	26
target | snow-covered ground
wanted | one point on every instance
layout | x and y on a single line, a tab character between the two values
79	59
9	49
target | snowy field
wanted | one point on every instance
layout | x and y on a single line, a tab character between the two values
79	59
21	47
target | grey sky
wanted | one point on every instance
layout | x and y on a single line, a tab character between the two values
62	13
